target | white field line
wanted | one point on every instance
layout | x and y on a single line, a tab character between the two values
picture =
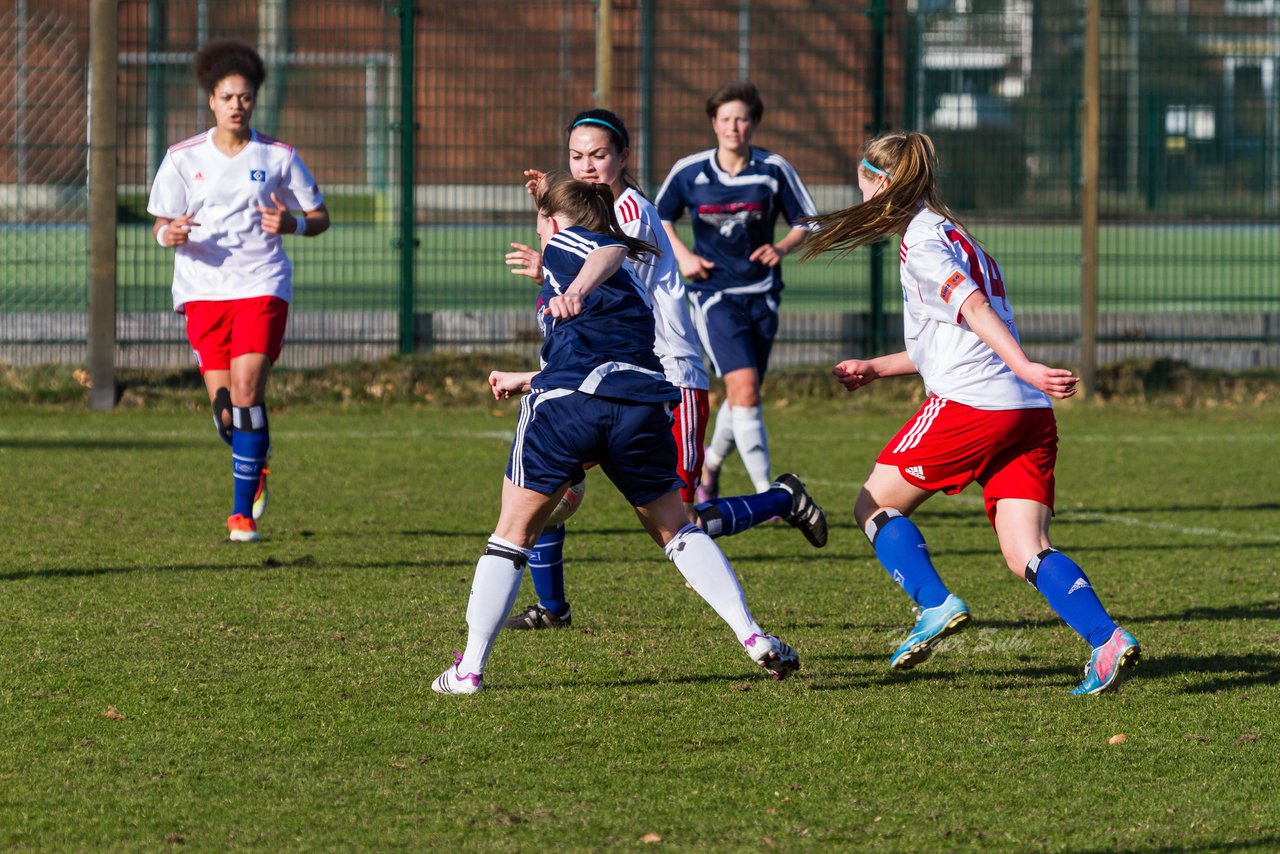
507	435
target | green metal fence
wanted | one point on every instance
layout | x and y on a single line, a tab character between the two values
417	127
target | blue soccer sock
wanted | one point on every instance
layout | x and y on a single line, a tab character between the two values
1070	595
546	568
905	555
724	517
250	438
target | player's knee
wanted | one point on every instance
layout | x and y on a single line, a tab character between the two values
681	541
506	550
872	526
1030	570
864	507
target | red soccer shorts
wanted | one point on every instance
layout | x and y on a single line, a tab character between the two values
220	330
947	446
690	430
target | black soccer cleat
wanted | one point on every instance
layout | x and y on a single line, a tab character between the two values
538	617
805	513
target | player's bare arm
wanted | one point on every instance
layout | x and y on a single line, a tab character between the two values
503	384
771	254
278	219
533	177
987	325
853	374
525	261
173	232
692	266
599	266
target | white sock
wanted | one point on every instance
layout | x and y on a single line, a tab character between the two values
493	593
708	572
753	447
721	438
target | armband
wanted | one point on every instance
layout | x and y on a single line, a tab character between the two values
160	235
301	224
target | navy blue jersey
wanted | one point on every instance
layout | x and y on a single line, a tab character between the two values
607	350
733	215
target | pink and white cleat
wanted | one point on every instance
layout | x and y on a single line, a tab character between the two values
453	682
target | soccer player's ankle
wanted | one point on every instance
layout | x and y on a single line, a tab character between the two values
556	608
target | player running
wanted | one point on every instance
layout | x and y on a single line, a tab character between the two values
599	148
601	396
735	193
223	200
988	417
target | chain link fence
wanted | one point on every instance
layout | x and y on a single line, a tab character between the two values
1189	159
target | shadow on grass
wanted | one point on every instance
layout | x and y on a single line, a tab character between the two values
1214	673
1248	611
1210	674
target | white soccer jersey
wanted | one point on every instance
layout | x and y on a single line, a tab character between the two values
228	256
941	268
676	342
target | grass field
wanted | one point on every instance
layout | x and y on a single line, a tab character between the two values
276	696
1161	268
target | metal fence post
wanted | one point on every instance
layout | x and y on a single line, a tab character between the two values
102	202
604	54
408	241
877	13
645	173
1089	200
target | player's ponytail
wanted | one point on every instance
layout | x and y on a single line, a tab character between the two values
907	161
590	206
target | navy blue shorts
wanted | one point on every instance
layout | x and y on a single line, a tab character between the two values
737	330
560	430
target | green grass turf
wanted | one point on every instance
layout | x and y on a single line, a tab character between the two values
276	695
460	268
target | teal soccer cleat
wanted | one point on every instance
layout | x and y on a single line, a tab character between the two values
1102	673
934	624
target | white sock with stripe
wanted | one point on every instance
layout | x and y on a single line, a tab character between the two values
708	572
753	447
493	593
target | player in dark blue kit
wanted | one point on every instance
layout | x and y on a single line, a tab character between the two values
735	193
599	149
601	396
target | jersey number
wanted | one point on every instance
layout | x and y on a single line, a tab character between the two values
995	287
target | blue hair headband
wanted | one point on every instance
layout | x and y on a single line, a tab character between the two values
875	169
595	121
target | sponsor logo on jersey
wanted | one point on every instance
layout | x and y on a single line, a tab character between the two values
1081	583
916	471
259	175
949	286
701	179
199	176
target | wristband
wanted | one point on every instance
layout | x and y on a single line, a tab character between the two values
160	235
301	224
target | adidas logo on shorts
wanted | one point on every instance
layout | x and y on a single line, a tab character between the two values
916	471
